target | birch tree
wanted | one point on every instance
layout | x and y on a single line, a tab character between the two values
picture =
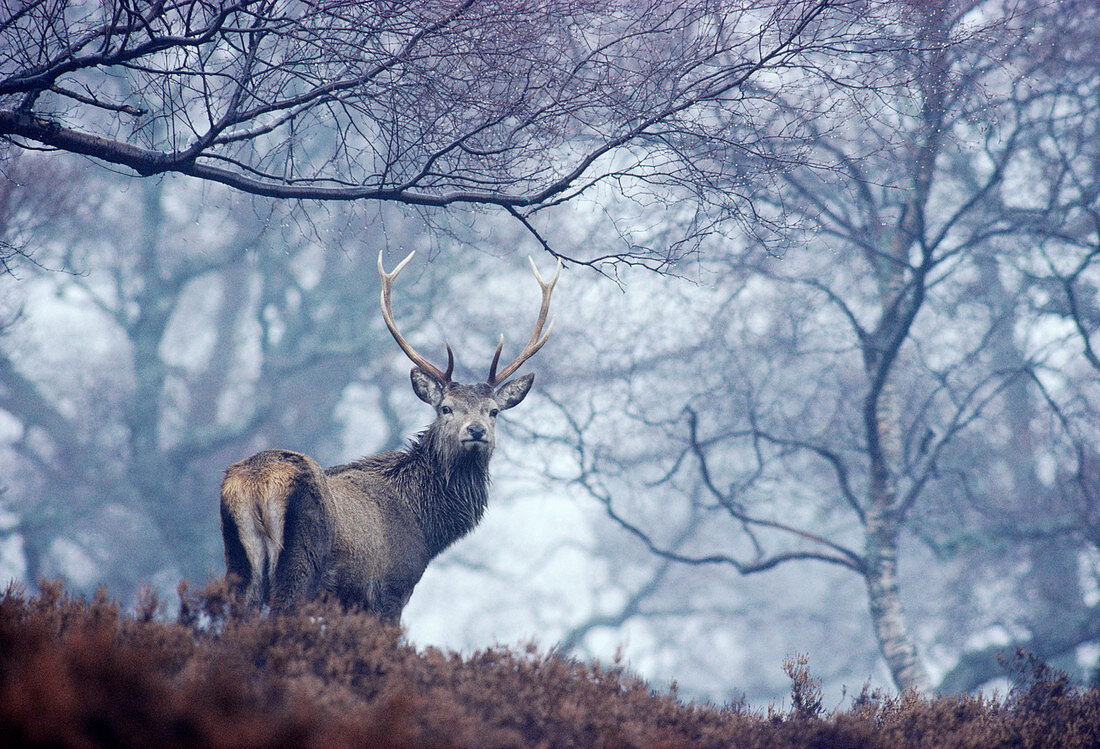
841	388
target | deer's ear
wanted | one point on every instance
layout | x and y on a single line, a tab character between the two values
426	387
512	392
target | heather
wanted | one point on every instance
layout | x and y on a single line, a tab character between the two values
77	672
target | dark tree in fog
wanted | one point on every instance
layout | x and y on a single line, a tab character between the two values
227	334
518	105
33	198
880	380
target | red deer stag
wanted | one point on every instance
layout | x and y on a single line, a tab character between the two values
367	530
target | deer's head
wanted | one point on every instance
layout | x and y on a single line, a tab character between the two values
466	414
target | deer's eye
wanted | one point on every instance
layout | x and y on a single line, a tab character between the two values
493	413
444	409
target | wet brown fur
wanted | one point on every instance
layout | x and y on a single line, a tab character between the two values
259	489
364	531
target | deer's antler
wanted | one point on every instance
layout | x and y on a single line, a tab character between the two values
387	314
537	338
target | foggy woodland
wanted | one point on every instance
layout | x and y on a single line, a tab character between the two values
825	372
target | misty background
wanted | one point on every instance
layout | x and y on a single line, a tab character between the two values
771	373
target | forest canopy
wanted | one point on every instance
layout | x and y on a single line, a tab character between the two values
520	106
847	405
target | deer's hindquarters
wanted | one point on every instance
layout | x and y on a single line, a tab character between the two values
276	526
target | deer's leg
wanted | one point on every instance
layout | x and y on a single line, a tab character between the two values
392	603
308	538
236	556
244	548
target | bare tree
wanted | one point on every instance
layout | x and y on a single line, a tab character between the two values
859	386
33	196
1060	212
218	344
521	106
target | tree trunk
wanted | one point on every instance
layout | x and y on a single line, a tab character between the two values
885	604
156	483
883	423
881	528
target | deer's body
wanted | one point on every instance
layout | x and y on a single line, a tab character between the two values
366	531
363	531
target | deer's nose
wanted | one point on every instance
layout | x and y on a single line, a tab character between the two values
476	431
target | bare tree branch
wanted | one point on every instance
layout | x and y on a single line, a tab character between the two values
428	104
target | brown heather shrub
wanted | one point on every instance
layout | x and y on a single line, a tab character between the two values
81	673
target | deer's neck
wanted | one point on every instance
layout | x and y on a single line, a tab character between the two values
451	494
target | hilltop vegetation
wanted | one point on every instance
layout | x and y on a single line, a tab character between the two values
83	673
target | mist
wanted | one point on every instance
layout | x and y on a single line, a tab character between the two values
831	390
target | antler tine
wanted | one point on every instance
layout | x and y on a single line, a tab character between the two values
387	314
537	340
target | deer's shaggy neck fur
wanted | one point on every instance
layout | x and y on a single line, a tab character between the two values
446	493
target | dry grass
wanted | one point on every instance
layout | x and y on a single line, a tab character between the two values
82	673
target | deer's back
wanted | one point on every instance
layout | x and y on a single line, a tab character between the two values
380	549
